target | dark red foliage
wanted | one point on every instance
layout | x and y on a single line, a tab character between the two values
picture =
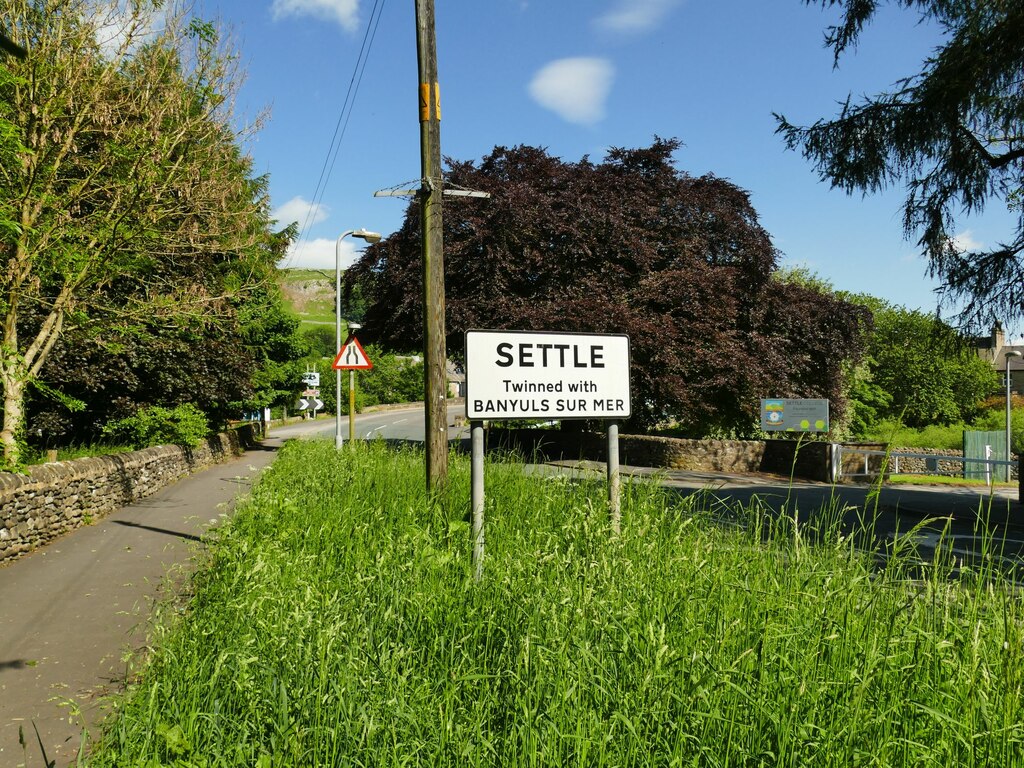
630	245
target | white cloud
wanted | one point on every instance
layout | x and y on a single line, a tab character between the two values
298	210
965	241
320	254
575	89
120	30
344	12
632	16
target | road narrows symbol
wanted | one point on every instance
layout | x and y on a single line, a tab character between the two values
352	356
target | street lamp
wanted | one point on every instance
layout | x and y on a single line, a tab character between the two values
1009	409
370	237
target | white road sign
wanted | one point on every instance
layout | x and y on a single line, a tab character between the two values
539	375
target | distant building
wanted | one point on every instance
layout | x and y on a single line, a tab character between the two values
453	373
993	349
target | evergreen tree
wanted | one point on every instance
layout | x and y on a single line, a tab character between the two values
953	133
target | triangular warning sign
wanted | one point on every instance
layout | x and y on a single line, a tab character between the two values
352	357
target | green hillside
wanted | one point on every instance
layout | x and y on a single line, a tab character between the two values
309	294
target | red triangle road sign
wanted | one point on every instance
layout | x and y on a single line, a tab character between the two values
352	357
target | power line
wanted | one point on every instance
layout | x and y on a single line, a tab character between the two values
359	80
344	116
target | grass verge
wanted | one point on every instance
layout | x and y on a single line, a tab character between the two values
336	624
942	480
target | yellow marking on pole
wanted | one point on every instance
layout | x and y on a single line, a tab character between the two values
424	102
437	101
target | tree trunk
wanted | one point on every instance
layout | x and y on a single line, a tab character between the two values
14	413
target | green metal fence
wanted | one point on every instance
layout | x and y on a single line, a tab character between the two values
985	445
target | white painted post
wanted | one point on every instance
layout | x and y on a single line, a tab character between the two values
836	460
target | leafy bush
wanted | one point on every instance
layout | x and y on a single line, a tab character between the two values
320	341
393	379
183	425
918	371
994	420
891	431
946	436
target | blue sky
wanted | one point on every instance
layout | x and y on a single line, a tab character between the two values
578	77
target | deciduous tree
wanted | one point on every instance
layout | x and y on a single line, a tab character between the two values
131	202
629	245
928	373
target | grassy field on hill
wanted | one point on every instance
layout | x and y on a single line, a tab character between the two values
336	623
309	294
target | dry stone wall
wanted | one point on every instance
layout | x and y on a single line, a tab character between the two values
809	461
917	466
52	499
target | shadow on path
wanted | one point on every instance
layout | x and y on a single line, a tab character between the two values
179	534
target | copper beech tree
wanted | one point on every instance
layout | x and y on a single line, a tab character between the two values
628	245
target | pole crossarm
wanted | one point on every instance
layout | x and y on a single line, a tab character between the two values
466	193
404	189
451	190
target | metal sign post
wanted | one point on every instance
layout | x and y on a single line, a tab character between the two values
352	409
529	375
476	482
614	485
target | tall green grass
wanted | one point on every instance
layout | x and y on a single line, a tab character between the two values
337	624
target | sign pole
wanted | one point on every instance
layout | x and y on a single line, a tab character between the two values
352	409
351	357
614	480
477	496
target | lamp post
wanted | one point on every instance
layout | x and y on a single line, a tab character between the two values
370	237
1009	409
352	328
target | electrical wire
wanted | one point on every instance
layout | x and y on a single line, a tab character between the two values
341	125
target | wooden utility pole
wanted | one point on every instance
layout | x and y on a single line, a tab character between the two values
430	194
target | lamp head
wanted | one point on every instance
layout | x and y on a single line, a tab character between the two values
353	326
365	234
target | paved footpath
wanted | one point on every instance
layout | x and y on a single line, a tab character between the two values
72	611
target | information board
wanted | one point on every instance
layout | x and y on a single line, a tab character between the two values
796	415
